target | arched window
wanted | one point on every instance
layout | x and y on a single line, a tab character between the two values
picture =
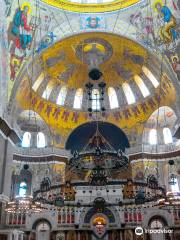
43	230
128	93
175	185
38	82
22	189
156	224
62	96
78	98
95	99
113	100
41	140
144	90
26	139
150	76
167	135
153	137
48	90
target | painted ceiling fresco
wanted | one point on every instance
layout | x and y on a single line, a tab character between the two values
63	119
34	26
35	30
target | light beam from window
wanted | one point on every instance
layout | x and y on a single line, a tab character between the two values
62	96
128	93
144	90
78	99
150	76
113	100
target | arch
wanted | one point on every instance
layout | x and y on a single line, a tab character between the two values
43	229
114	135
22	189
96	105
21	184
39	221
26	142
62	96
163	117
141	85
107	212
128	93
161	214
113	100
78	98
41	142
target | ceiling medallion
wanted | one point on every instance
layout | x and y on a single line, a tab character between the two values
94	51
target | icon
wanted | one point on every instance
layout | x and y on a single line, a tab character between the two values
139	231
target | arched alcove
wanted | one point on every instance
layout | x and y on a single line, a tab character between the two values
82	134
157	134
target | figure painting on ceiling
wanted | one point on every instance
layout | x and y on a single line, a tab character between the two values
46	42
144	28
176	65
21	30
167	31
20	39
92	22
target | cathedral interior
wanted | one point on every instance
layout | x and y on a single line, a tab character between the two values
90	120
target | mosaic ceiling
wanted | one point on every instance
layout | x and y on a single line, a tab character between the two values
56	59
48	35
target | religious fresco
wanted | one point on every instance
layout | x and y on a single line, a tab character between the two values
142	169
28	33
20	35
54	171
151	23
92	22
57	61
32	30
125	119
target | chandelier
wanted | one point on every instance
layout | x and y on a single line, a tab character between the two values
100	158
23	205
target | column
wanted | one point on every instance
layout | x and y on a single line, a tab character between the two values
10	236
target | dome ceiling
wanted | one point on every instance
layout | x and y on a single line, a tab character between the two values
92	6
67	63
68	60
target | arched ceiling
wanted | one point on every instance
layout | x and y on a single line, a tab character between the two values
55	28
53	61
70	55
113	135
